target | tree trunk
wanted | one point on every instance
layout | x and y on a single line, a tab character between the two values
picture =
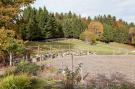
10	58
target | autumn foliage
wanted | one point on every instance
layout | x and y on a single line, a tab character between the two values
9	9
95	27
132	35
89	37
119	24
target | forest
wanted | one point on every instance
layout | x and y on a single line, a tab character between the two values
39	24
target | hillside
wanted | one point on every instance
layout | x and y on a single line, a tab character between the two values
75	44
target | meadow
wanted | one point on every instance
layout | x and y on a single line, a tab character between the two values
100	48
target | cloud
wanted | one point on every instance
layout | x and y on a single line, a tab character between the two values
120	8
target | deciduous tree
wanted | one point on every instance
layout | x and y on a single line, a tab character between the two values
8	44
9	9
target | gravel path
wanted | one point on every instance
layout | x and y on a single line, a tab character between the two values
101	64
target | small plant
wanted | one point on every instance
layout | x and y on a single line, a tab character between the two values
72	78
26	67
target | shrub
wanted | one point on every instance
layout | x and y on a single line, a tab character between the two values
88	37
26	67
72	78
82	36
22	81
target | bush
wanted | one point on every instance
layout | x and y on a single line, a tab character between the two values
88	37
72	78
26	67
82	36
22	81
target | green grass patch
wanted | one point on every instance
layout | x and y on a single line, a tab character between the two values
75	44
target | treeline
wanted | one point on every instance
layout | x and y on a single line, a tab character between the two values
39	24
115	30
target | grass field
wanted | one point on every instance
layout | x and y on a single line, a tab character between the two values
99	48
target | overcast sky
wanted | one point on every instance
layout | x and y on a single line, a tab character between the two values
124	9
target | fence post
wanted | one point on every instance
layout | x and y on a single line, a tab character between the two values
113	52
72	69
39	54
38	50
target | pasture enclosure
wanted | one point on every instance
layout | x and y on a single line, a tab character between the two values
77	45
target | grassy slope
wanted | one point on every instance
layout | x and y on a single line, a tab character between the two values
99	48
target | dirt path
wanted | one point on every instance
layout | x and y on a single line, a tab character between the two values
102	64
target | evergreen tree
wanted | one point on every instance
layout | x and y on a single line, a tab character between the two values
120	35
39	24
108	33
73	25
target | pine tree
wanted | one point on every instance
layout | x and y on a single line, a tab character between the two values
120	35
108	33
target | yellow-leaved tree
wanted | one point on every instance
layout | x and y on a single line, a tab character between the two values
9	9
10	12
10	45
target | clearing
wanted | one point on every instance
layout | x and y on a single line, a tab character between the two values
100	48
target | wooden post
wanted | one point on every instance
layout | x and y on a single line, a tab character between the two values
119	50
51	51
127	53
113	52
72	70
59	47
50	48
39	55
38	50
69	49
26	57
62	66
72	58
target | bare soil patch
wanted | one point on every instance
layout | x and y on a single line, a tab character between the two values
98	64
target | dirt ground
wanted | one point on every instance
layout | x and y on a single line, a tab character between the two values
101	64
1	71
